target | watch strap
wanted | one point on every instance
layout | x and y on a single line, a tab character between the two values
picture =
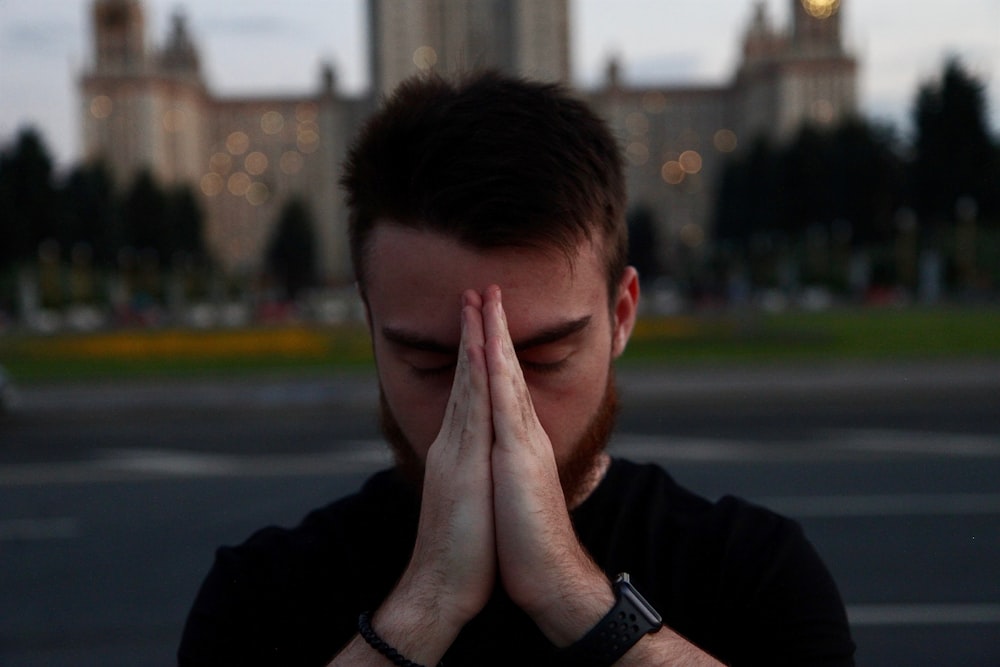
630	619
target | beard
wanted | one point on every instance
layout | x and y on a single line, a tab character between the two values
574	472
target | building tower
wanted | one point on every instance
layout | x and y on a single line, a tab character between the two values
802	76
820	81
523	37
142	110
816	26
119	36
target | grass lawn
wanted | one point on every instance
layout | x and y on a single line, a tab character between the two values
848	334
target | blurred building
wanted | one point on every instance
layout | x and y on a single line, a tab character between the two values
526	37
146	108
676	139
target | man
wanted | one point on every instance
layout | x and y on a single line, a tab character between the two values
488	239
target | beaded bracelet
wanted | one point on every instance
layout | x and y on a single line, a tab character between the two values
377	643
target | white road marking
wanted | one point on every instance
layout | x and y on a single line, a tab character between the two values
923	614
903	504
120	465
55	528
833	445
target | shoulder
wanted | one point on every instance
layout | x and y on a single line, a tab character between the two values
262	594
644	497
731	532
351	533
733	576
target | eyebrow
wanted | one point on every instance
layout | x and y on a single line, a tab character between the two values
422	343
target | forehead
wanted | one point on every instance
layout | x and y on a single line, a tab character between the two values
417	276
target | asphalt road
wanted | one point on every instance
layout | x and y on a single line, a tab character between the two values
113	498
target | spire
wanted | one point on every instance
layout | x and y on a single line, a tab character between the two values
119	35
180	54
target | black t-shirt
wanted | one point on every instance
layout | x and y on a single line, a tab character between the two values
737	580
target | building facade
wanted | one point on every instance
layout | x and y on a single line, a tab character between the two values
145	108
524	37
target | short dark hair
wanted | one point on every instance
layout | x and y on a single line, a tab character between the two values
492	161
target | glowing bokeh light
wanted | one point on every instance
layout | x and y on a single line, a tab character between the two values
212	184
821	9
256	163
692	235
101	107
237	142
272	122
672	172
690	162
725	141
308	141
425	57
257	194
239	183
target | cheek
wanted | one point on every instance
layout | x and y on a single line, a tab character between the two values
565	409
418	407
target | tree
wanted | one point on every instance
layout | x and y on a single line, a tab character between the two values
954	156
749	195
291	256
184	218
805	197
866	180
643	244
144	220
90	212
27	198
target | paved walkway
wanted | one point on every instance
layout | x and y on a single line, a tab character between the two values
660	383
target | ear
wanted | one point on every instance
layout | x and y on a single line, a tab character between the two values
625	310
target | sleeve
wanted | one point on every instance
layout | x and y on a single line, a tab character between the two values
784	605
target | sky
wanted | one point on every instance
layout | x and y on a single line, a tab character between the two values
278	46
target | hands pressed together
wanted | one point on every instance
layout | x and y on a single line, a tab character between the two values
493	505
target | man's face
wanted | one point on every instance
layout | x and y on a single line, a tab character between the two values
563	329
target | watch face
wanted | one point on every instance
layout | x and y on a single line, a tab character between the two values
821	9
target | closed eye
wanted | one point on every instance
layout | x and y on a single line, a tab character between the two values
544	368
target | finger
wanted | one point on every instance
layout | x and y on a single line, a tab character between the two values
513	413
467	417
478	404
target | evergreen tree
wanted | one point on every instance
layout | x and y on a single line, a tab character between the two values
953	152
642	242
145	225
185	220
291	256
27	198
90	212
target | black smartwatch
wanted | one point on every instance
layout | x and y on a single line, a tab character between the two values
628	621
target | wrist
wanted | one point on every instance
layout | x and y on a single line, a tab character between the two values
413	622
629	620
573	608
